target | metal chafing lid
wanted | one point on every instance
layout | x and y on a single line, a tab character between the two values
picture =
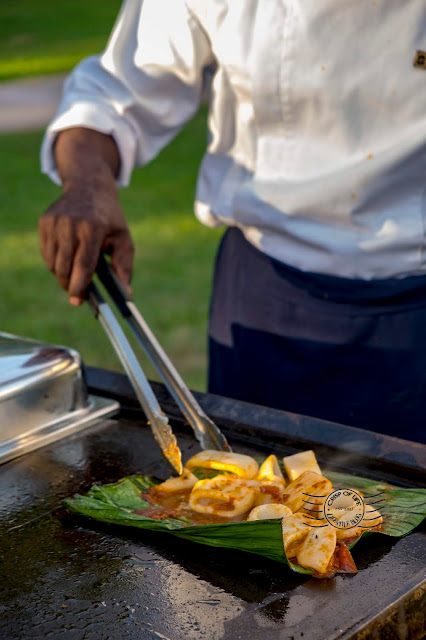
43	396
23	361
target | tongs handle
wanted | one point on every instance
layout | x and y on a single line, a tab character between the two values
157	419
113	286
206	432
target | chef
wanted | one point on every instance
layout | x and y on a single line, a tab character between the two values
315	164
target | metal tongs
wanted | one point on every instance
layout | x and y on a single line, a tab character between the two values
206	432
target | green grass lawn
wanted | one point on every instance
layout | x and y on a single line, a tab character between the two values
40	36
174	256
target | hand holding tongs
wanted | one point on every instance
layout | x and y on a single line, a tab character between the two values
206	432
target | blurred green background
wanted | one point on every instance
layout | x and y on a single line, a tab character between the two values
40	36
174	253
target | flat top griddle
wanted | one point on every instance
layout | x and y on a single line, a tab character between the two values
68	577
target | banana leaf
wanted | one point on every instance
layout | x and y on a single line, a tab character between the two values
121	503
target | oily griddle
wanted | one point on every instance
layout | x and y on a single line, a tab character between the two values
64	576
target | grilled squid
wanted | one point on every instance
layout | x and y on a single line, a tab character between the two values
372	518
270	471
307	492
267	492
269	512
181	483
236	463
298	463
223	496
313	546
317	548
294	531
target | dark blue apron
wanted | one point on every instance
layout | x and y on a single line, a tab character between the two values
348	351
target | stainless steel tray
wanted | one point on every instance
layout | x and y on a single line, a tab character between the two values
43	396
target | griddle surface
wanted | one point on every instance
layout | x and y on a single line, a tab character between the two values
69	577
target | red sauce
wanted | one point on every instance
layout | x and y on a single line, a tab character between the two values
175	505
157	513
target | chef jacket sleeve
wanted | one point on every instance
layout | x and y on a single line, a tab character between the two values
142	90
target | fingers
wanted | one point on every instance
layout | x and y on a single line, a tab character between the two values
71	249
74	231
65	250
84	264
121	248
48	244
122	252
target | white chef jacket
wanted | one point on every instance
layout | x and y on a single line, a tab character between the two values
317	120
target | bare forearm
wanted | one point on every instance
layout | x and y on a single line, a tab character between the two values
86	157
87	219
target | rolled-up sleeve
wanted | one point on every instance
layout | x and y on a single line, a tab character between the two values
142	89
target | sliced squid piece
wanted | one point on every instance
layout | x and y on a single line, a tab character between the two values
270	470
181	483
333	516
269	512
294	530
343	510
372	518
347	534
307	492
298	463
268	492
223	496
318	548
237	463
